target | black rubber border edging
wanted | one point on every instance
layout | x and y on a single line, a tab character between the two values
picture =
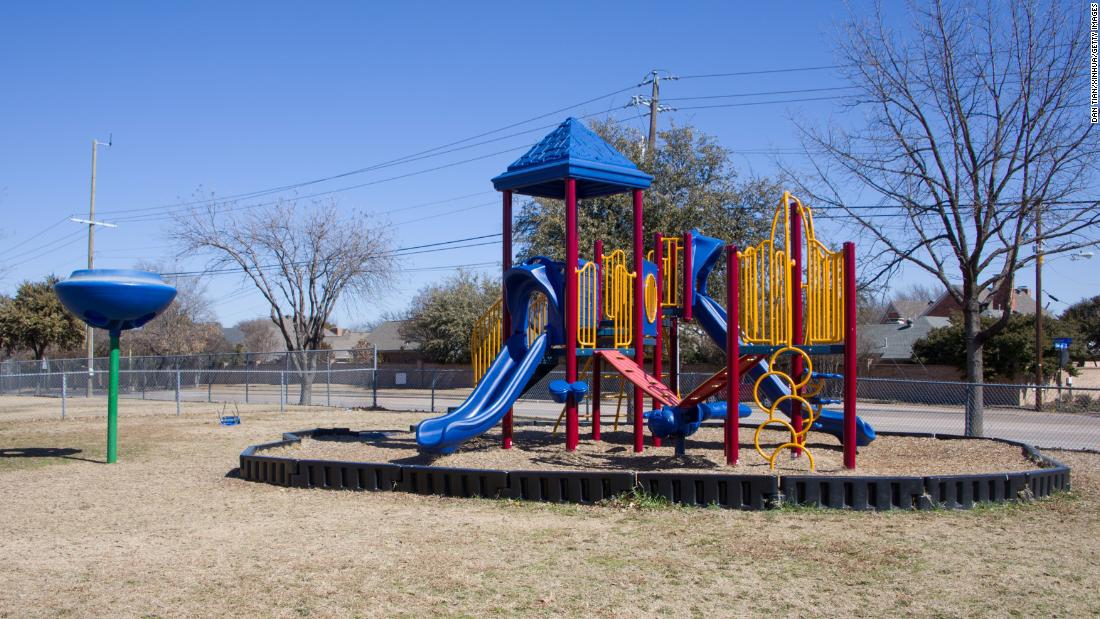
746	492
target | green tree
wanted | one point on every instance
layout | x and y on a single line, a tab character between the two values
694	186
1010	354
1084	316
442	315
35	319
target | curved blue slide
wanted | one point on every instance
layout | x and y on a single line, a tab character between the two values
712	318
501	386
512	370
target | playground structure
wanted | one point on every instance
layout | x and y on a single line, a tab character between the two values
115	300
794	300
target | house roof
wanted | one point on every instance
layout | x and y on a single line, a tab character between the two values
572	150
904	309
892	341
387	337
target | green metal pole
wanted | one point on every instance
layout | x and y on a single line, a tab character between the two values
112	403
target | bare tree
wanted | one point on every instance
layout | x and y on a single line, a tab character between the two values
260	335
302	260
976	126
187	327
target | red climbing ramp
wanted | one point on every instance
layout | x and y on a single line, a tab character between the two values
638	376
717	383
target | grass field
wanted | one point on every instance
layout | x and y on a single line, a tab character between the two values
165	533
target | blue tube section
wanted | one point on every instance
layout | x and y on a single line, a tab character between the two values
674	421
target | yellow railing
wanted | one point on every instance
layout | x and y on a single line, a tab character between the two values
588	313
765	295
618	298
766	291
671	263
537	309
824	289
485	338
610	262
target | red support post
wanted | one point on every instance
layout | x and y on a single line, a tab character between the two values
572	423
849	355
733	356
597	363
689	285
597	372
797	366
505	318
598	253
639	308
658	343
674	355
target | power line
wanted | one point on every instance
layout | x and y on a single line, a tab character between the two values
397	253
163	216
763	72
431	152
761	93
137	218
35	236
753	103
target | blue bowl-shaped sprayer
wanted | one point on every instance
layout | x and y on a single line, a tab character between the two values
115	299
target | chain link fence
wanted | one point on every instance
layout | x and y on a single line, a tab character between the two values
1070	417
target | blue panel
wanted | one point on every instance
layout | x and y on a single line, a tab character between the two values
649	327
572	151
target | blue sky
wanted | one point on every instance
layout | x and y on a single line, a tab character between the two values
237	97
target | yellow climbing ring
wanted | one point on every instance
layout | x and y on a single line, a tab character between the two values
760	428
792	446
815	389
807	419
807	372
798	439
760	381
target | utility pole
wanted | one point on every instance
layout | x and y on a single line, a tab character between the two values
655	93
89	336
653	102
1038	307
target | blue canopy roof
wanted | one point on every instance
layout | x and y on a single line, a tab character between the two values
572	151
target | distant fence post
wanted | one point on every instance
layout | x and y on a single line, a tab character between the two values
247	378
282	392
968	404
64	394
374	388
177	392
209	388
328	383
435	375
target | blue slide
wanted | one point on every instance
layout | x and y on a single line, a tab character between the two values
514	367
501	386
712	318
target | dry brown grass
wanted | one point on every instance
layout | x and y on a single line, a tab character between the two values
165	533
